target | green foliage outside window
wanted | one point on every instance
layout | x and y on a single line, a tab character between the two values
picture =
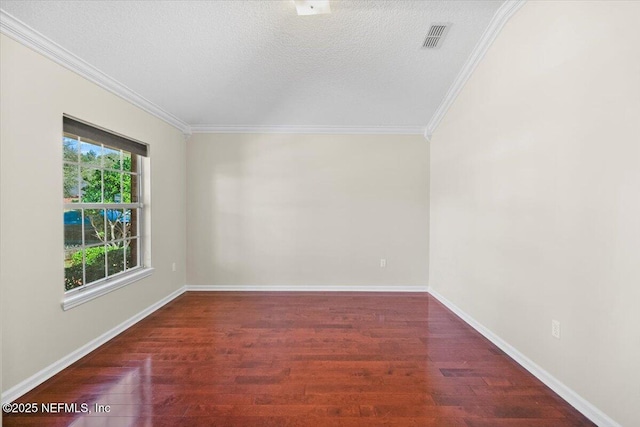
95	262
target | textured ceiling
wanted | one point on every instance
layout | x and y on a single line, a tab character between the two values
257	63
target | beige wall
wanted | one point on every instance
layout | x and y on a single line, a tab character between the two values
535	196
307	210
35	94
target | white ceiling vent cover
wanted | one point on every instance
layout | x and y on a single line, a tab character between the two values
436	35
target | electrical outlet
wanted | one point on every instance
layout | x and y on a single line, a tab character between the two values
173	266
555	329
383	262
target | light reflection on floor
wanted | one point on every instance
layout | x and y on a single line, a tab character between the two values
128	401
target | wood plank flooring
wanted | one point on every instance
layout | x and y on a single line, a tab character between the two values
299	359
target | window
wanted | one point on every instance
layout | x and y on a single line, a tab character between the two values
102	197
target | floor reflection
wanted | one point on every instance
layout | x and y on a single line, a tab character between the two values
125	403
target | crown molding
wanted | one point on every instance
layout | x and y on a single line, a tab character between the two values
500	18
22	33
348	130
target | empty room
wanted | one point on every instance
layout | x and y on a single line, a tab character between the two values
320	213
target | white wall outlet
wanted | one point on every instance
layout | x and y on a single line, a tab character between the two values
383	262
555	329
173	266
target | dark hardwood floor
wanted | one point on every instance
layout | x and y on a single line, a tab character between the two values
299	359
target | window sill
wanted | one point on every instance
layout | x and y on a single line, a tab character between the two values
82	295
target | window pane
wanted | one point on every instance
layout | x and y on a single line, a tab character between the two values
117	222
115	259
112	158
112	187
91	185
126	188
95	263
130	222
90	154
71	184
130	188
72	228
94	226
132	254
70	149
72	268
126	161
135	163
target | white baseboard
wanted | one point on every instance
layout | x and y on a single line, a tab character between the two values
307	288
38	378
573	398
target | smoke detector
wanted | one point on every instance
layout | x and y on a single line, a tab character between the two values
435	36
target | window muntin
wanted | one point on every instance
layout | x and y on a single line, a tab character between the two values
102	213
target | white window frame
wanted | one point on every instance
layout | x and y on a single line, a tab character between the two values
89	291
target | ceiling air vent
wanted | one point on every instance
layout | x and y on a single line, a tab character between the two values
435	36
